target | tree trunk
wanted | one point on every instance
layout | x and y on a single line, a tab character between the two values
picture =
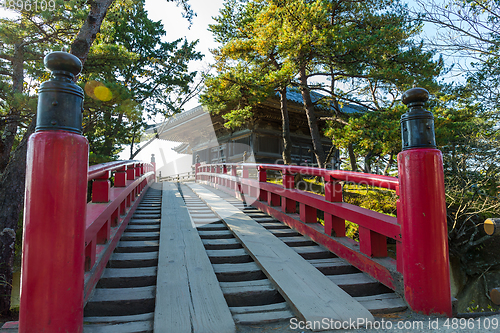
368	162
352	158
388	165
11	203
109	141
311	119
12	181
88	32
285	130
10	129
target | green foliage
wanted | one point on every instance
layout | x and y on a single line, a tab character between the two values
474	308
131	72
373	198
360	52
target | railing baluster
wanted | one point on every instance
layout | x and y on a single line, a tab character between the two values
121	177
101	188
334	226
262	175
288	205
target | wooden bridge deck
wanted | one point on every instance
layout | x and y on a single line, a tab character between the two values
213	264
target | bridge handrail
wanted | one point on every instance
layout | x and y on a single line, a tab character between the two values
110	210
97	170
381	181
374	227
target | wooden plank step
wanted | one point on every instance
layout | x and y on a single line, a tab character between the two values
137	246
205	220
200	206
250	293
298	241
358	284
143	228
262	317
118	319
238	272
127	277
274	225
188	297
284	232
205	234
130	235
121	301
313	252
312	295
332	266
254	214
146	216
212	226
264	219
130	327
259	308
148	209
228	256
200	211
201	214
221	244
135	221
383	303
126	260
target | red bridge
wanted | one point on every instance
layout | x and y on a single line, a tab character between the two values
228	249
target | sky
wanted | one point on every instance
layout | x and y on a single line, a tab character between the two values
178	27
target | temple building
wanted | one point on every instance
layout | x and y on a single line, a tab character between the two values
204	136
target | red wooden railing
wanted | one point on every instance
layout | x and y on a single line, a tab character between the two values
110	211
280	202
370	254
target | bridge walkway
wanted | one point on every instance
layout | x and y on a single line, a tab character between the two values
194	259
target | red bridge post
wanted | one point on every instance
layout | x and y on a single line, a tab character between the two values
54	221
424	229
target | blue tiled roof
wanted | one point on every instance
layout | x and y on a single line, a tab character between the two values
294	95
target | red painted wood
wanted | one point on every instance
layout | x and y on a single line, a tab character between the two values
262	176
334	226
371	243
52	270
381	223
288	205
424	231
101	187
90	253
349	176
98	214
103	252
121	177
130	172
378	222
104	233
115	217
273	199
308	214
399	245
380	269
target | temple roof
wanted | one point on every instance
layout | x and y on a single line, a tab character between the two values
197	122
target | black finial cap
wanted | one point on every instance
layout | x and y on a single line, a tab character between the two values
415	97
417	125
63	63
60	100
